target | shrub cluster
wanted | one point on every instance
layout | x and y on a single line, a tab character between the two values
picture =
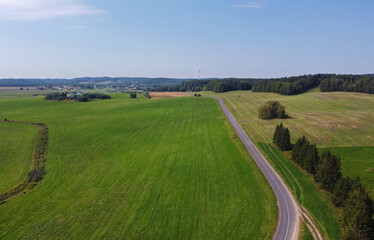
281	138
81	98
347	194
56	96
271	110
146	95
90	96
132	95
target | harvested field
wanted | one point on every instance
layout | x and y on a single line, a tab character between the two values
160	95
327	119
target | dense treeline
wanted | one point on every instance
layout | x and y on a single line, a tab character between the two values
271	110
223	85
348	83
284	86
290	85
347	194
281	138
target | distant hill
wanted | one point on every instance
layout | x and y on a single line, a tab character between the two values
31	82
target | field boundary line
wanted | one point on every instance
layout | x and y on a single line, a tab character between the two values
37	167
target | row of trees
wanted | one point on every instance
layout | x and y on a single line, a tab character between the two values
306	155
347	194
215	85
348	83
271	110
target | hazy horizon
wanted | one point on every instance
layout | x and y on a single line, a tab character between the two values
113	77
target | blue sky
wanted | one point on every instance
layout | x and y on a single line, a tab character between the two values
177	38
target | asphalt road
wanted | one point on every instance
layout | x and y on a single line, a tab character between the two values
288	224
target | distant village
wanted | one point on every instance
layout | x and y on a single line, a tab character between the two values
79	88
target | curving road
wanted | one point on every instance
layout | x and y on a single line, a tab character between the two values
288	224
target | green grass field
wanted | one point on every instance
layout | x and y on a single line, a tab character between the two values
16	148
340	121
139	169
358	161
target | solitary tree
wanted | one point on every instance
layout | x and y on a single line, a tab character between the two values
271	110
132	95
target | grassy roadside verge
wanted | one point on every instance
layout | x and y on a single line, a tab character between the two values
305	233
305	191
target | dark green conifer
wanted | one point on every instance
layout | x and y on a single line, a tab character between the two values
281	138
356	216
311	161
328	173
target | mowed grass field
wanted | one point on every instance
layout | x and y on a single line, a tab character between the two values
326	119
16	148
342	122
139	169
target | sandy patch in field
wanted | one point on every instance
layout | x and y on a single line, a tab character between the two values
159	95
325	96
